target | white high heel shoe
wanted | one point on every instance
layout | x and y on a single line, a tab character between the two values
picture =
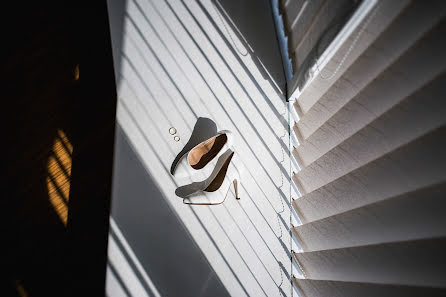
215	188
196	163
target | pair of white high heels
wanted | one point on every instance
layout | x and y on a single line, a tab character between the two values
215	159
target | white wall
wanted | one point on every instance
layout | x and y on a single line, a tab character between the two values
178	61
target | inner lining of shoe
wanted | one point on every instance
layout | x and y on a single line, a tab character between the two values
205	152
218	180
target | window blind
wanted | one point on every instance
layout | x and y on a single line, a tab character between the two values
369	135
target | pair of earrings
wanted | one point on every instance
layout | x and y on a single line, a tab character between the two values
173	131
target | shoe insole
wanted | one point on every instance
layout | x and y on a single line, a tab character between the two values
205	152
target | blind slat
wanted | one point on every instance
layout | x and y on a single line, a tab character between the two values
291	9
313	91
419	164
417	263
393	129
410	73
400	218
325	18
317	288
410	26
301	20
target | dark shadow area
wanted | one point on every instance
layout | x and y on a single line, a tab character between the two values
162	244
204	129
57	248
116	11
253	23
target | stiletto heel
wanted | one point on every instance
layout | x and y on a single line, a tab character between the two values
206	192
236	185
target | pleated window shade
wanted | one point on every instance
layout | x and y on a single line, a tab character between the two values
369	155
